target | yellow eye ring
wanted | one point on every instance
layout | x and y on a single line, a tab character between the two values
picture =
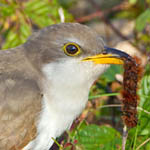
71	49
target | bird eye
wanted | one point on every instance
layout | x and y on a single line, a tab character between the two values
71	49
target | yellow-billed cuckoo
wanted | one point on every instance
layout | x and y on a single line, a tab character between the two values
45	82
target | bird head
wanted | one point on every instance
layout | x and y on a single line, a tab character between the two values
70	50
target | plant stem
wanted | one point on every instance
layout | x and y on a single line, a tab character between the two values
124	138
60	147
106	94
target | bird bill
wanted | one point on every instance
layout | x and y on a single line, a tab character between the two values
110	56
104	59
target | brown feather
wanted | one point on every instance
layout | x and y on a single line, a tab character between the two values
20	100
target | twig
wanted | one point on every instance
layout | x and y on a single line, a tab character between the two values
120	105
143	143
111	105
124	138
89	17
107	22
141	109
61	14
100	95
116	30
100	13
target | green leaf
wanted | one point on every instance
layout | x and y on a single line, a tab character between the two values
34	4
142	131
98	138
41	13
144	90
44	13
41	21
18	36
11	40
6	10
132	1
142	20
145	132
74	131
25	30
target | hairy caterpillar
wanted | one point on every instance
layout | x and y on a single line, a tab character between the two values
131	76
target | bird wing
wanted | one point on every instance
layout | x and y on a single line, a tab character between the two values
20	105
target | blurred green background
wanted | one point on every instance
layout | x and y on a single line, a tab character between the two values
124	24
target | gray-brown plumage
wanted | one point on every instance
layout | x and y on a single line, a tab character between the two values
20	99
34	107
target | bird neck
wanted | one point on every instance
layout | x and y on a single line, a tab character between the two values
64	99
66	86
60	108
65	93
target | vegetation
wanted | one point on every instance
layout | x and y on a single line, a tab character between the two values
19	18
100	126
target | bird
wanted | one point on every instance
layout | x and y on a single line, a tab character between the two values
45	83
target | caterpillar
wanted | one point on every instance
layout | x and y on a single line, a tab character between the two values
132	74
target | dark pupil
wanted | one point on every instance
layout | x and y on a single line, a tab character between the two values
71	49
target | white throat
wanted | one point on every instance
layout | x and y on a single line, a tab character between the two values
66	89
